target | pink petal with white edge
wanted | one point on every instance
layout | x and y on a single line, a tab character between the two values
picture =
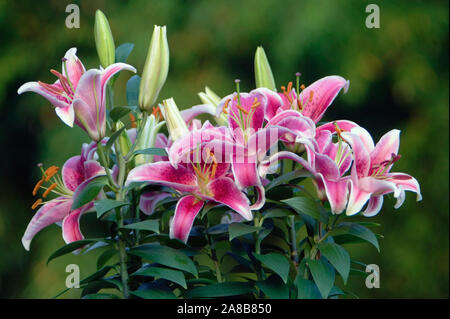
164	173
406	182
336	192
378	186
344	125
189	114
261	197
356	200
374	206
386	146
63	108
225	191
107	73
245	174
361	157
50	213
274	102
148	201
75	68
324	91
71	227
185	212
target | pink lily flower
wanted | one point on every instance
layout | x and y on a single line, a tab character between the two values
196	168
77	172
246	118
79	96
312	101
327	162
371	177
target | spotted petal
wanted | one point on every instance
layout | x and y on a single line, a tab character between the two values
187	209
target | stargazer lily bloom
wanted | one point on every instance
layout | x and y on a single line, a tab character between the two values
199	173
79	96
327	162
371	177
76	173
311	102
246	116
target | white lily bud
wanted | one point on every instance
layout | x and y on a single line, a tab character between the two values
211	98
147	139
155	69
175	124
263	73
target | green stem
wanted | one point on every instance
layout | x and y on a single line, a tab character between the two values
294	253
104	163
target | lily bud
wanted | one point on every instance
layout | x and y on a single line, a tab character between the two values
211	98
124	139
104	41
175	124
263	73
155	69
147	139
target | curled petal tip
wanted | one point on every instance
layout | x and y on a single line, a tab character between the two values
26	244
346	86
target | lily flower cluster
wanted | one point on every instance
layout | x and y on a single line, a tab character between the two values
227	161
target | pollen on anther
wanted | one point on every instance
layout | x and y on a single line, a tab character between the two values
36	203
302	86
49	190
38	185
50	172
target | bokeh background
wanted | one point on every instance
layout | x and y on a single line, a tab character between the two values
399	79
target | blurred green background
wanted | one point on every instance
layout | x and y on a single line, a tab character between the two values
399	79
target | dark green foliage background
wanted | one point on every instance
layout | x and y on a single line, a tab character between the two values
398	75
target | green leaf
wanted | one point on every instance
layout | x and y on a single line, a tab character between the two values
323	275
70	248
123	51
307	206
104	257
150	224
90	191
224	289
338	257
274	288
165	256
104	205
277	212
239	229
355	230
286	178
133	90
113	138
118	112
154	293
100	296
306	289
151	151
175	276
275	262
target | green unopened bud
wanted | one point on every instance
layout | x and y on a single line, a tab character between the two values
104	40
124	139
155	69
211	98
263	73
175	124
147	139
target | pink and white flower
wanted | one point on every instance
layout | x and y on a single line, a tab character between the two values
371	178
79	96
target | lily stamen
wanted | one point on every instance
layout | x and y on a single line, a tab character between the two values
36	203
38	185
51	187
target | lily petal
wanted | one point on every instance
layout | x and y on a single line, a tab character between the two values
324	91
356	200
225	191
75	68
180	178
374	206
52	212
149	200
194	111
187	209
386	146
71	226
336	192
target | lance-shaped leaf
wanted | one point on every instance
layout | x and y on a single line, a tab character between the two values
275	262
323	275
338	257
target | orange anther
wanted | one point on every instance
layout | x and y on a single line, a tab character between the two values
289	87
36	203
38	185
302	86
49	190
50	172
133	120
242	109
